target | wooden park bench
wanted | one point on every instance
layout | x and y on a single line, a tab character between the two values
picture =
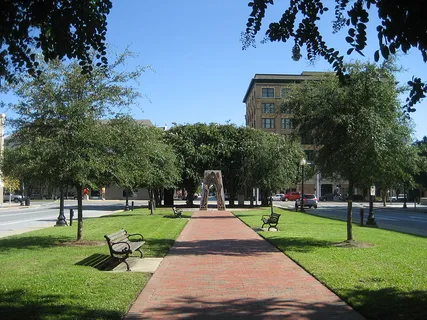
272	220
177	212
121	246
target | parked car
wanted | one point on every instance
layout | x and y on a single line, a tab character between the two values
277	197
12	197
327	197
402	197
309	200
392	198
291	196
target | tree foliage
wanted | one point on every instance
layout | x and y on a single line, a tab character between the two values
246	157
400	28
138	156
270	161
58	129
421	176
54	28
361	134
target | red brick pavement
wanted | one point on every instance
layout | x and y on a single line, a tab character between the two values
219	268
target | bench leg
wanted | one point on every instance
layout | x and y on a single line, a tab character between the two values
275	227
127	264
140	251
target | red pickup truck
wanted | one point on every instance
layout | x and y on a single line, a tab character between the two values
291	196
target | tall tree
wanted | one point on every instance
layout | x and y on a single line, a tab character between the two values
54	28
421	176
163	172
400	28
58	124
270	161
358	126
138	156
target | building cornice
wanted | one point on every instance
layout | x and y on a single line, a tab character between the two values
283	78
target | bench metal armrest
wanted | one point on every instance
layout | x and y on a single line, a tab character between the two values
120	242
136	234
266	216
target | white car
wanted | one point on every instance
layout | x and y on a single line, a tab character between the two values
278	197
12	197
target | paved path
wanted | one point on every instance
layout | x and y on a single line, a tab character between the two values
219	268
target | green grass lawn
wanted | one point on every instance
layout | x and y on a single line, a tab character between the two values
42	276
385	281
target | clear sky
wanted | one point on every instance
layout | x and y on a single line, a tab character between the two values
200	72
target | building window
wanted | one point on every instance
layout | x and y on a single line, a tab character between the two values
309	155
267	123
286	123
268	92
285	92
267	107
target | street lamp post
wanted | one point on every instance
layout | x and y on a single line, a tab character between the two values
404	197
371	218
302	163
61	220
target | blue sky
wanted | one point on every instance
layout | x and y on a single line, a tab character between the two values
200	72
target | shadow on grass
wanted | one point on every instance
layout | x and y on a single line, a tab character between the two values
389	303
172	216
249	308
297	244
98	261
29	242
157	247
19	304
117	215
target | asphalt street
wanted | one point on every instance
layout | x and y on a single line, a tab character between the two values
411	220
16	219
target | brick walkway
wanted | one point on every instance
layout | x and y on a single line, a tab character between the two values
219	268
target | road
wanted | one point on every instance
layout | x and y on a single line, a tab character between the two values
15	219
392	217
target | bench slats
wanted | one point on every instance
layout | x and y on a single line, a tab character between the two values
121	247
272	220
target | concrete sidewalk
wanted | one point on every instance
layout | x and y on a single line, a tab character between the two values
219	268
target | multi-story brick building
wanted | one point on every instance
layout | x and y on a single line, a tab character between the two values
264	110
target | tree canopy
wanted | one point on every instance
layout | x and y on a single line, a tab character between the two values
54	28
58	131
358	127
247	157
401	28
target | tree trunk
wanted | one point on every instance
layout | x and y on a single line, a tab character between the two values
153	203
79	213
127	199
349	211
158	197
264	198
190	198
384	196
